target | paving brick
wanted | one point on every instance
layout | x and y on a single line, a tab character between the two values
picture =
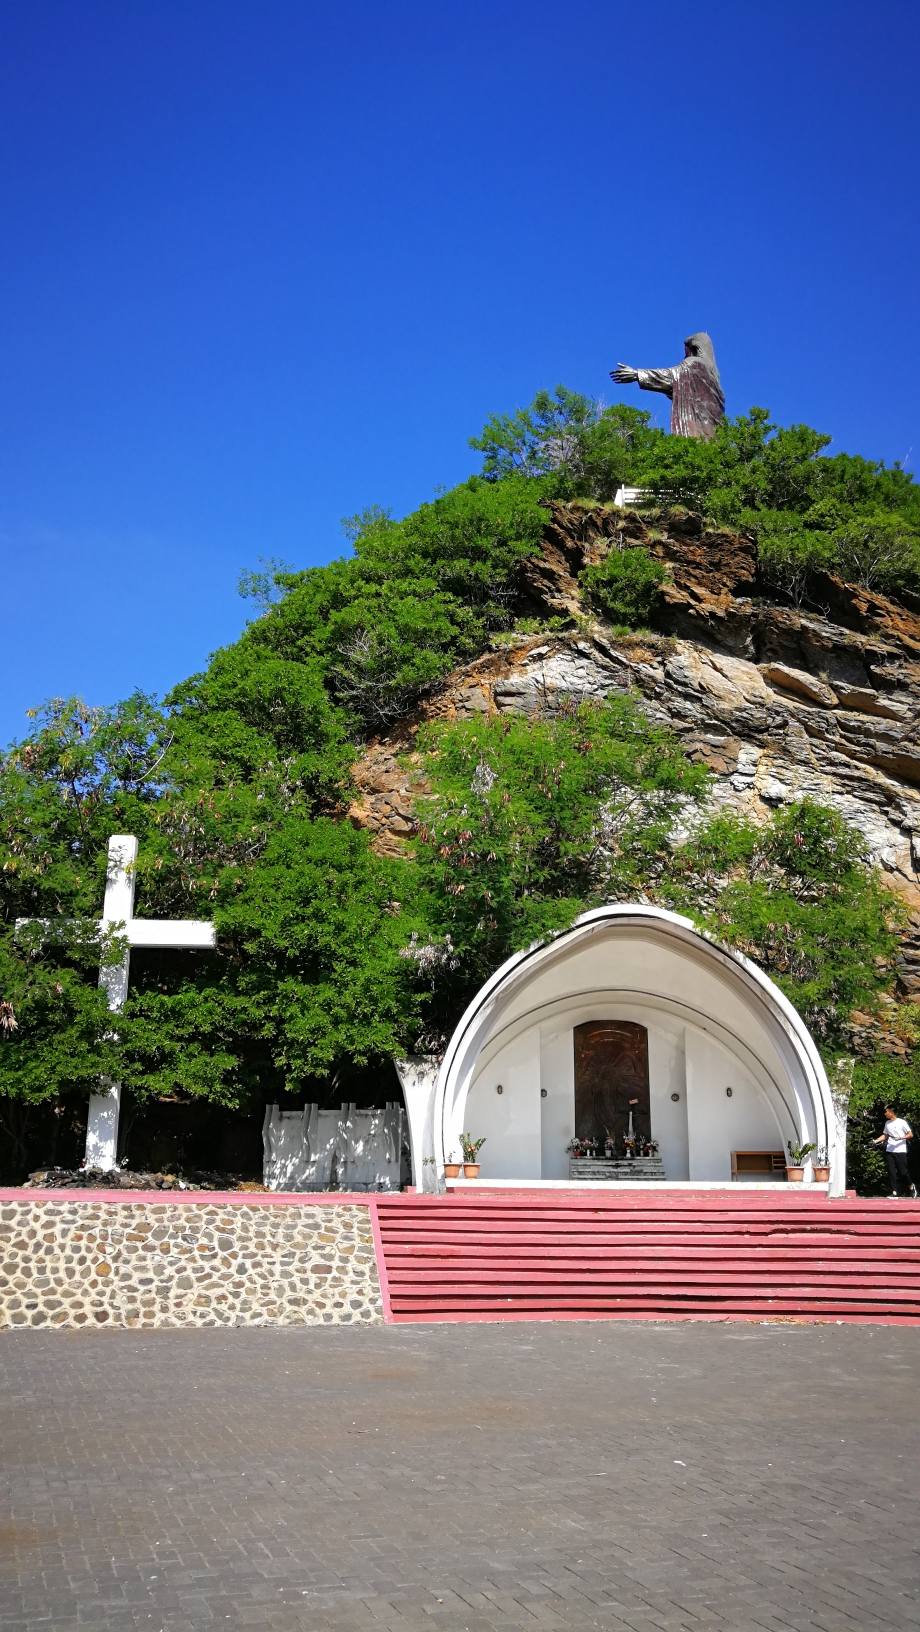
538	1478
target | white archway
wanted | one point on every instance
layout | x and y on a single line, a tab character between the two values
711	1015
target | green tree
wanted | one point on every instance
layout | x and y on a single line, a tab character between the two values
532	821
380	630
308	984
801	899
876	1083
82	774
575	446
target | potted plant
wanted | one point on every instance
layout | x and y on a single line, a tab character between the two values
820	1166
471	1149
576	1149
795	1167
451	1167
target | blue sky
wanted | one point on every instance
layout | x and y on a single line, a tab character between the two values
264	263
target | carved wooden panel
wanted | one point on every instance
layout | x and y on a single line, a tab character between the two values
611	1078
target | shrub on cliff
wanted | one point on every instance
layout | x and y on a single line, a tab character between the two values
381	628
625	586
578	447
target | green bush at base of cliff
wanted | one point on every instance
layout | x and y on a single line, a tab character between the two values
529	822
797	895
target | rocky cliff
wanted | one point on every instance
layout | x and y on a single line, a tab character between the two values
779	702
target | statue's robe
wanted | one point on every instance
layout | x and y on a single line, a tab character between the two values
697	400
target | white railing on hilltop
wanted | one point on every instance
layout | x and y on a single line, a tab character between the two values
626	498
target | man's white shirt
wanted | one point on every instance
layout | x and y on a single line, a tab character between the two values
897	1132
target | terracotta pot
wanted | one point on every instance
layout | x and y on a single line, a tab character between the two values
822	1175
471	1170
451	1170
795	1175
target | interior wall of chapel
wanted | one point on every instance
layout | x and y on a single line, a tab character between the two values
695	1121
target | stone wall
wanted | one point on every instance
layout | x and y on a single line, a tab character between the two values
77	1262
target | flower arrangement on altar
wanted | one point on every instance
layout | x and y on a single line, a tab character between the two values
633	1145
581	1149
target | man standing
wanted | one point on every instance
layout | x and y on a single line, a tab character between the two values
897	1132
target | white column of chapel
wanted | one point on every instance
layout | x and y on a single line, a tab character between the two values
118	914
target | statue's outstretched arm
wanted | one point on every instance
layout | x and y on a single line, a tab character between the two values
648	379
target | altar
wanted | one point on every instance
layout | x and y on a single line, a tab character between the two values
628	1170
630	1042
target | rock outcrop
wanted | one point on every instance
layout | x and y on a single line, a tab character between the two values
779	702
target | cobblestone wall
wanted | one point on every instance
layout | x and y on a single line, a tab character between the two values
87	1263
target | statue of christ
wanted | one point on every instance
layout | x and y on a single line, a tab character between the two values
697	403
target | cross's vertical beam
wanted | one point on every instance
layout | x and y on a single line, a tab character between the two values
118	909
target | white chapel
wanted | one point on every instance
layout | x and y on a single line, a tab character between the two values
631	1013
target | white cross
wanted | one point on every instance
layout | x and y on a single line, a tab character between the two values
118	915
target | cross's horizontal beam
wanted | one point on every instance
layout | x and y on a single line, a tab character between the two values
190	933
185	932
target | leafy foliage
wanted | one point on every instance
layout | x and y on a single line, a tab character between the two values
531	821
309	976
229	828
625	586
575	446
534	822
418	596
799	897
264	588
877	1083
83	774
471	1147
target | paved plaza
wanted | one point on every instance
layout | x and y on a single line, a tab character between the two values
540	1476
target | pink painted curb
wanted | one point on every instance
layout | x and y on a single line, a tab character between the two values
200	1198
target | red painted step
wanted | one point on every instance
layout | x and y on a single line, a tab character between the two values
679	1254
